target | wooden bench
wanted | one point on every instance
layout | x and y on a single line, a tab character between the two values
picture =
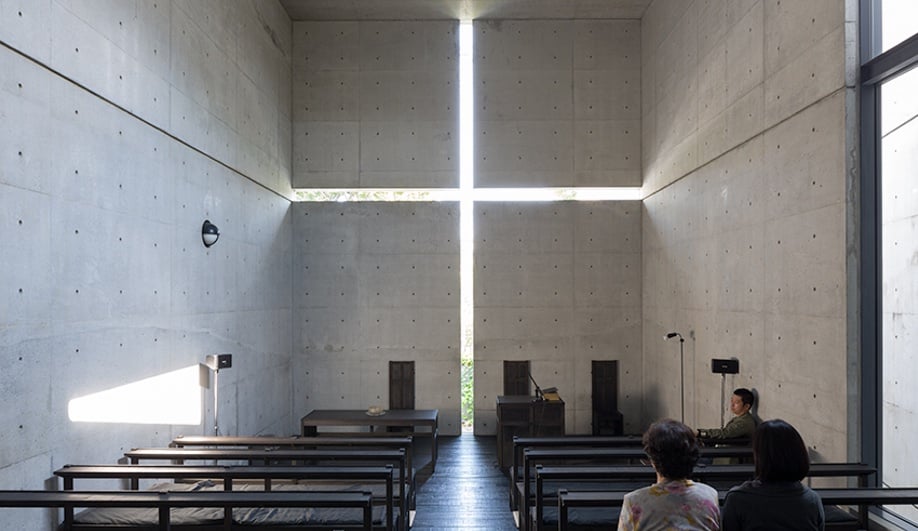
297	442
735	441
294	441
860	496
588	441
164	501
536	456
598	478
566	441
269	456
228	474
413	419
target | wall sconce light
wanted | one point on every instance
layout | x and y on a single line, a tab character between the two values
209	233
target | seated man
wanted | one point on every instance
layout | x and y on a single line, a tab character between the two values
742	425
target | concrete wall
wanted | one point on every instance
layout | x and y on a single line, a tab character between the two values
744	230
214	74
558	284
139	119
900	277
557	103
373	283
126	124
376	104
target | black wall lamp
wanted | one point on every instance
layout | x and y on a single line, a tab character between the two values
209	233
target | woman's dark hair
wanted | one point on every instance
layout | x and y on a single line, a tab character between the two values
779	451
672	448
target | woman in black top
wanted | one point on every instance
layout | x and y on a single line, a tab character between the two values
775	500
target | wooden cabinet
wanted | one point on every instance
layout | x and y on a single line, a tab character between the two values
525	416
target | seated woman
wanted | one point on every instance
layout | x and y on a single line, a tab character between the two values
775	499
674	501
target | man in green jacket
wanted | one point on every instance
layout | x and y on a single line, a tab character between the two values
742	425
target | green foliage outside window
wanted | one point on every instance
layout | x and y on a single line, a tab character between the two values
468	399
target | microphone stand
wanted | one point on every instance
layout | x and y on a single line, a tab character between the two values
216	402
682	375
538	390
681	369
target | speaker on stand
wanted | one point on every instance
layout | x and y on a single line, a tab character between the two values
724	367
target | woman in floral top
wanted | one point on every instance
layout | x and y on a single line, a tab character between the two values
674	501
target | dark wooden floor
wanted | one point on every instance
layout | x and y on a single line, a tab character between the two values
468	491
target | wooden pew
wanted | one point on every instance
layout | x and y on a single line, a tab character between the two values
566	441
860	496
295	442
588	441
229	474
421	422
164	501
864	497
592	441
267	456
605	478
535	456
304	442
736	441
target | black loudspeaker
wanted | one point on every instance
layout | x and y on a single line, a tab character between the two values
724	366
219	361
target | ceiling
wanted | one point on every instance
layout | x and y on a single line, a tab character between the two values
463	9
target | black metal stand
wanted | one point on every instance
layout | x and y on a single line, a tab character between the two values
682	375
723	367
681	370
216	423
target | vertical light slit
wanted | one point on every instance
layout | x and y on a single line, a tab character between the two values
466	224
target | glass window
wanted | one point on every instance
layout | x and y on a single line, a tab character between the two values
900	21
899	104
899	184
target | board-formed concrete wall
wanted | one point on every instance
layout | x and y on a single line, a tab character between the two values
744	229
373	283
376	104
558	284
126	124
